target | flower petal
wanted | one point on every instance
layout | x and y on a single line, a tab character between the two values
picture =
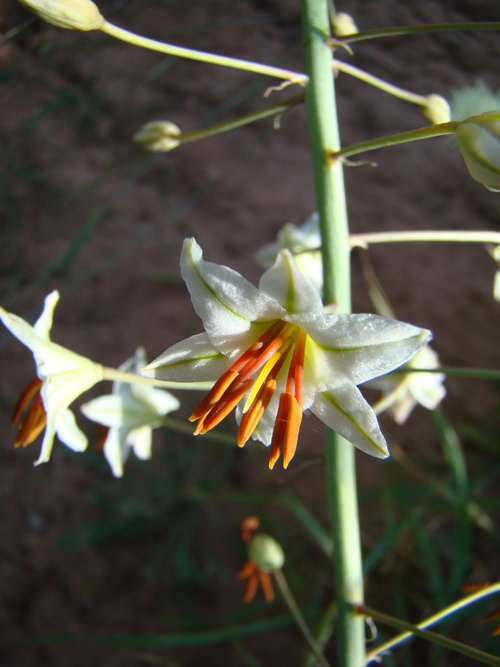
195	359
68	431
116	450
226	302
290	287
345	411
358	347
106	410
141	439
44	323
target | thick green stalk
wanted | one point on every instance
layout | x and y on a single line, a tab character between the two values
339	456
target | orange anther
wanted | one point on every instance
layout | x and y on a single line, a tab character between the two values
286	430
267	585
214	395
24	399
229	401
251	418
33	423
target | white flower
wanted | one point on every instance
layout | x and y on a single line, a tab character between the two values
276	346
131	412
479	142
63	376
403	392
304	243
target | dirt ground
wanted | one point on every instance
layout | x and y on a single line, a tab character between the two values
85	211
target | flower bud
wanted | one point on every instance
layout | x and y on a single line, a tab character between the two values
159	135
75	14
266	553
343	24
479	141
436	109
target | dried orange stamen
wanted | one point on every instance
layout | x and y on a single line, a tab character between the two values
35	419
25	398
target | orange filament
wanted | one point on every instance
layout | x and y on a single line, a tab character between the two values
250	524
282	342
35	419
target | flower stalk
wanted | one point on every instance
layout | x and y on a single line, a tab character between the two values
415	29
339	455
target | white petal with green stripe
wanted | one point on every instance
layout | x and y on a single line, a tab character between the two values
345	411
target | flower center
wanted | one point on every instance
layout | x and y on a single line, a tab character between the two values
281	343
35	418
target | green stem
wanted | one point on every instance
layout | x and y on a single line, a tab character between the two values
296	613
273	110
414	29
323	632
181	52
404	137
339	454
379	83
435	618
364	240
452	644
132	378
181	427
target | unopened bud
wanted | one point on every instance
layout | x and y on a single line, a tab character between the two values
159	135
436	109
75	14
343	25
266	553
479	141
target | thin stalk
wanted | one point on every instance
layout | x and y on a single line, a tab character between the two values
364	240
181	427
330	191
392	140
273	110
323	632
132	378
299	619
212	58
379	83
414	29
478	373
434	637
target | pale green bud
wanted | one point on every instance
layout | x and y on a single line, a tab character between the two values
479	141
436	109
265	553
159	135
75	14
343	25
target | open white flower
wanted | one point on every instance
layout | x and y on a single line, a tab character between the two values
403	392
304	242
276	346
131	412
62	376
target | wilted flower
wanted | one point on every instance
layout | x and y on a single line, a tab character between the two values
304	242
403	392
276	351
479	141
62	376
158	136
131	412
76	14
264	556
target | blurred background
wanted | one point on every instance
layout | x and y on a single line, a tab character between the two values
85	211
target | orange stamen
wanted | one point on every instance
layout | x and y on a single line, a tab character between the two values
492	615
286	430
258	345
250	524
255	363
248	569
25	398
30	427
252	585
252	417
267	585
214	395
229	401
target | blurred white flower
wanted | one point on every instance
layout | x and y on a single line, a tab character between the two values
304	242
62	376
473	100
402	392
131	413
75	14
479	142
